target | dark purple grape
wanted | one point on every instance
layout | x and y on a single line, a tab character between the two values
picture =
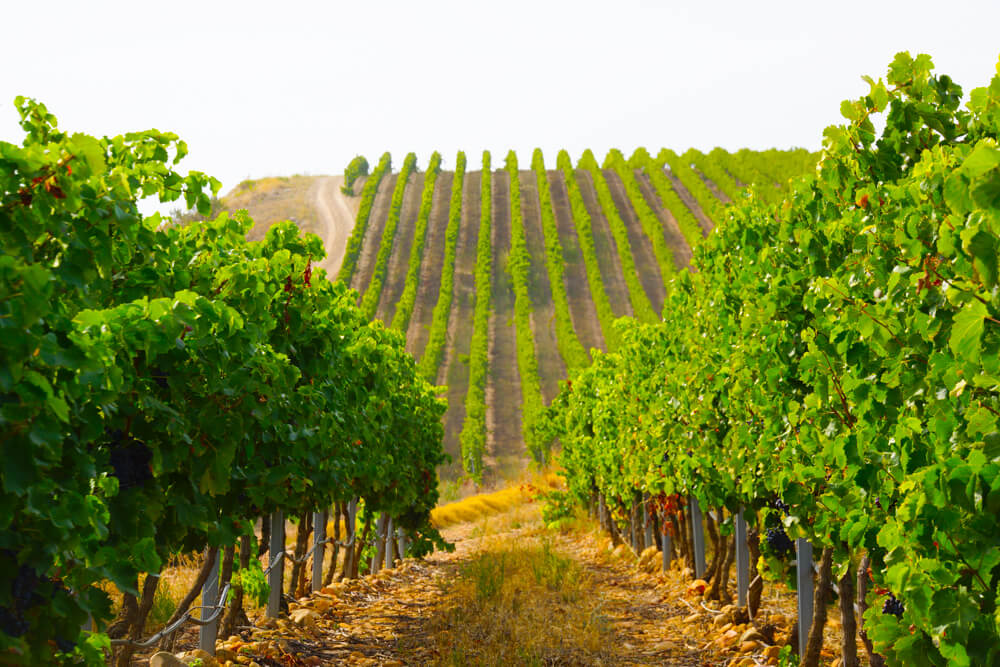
158	376
12	623
878	502
778	504
131	464
779	542
23	588
893	606
65	645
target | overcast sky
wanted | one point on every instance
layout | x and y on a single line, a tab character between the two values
278	88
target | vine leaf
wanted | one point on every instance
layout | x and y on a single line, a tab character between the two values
967	331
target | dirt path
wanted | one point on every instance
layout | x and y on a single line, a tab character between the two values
399	259
337	213
373	235
608	259
551	368
581	302
420	612
504	444
671	230
647	267
454	369
430	267
704	221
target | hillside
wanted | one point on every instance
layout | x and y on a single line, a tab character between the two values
594	242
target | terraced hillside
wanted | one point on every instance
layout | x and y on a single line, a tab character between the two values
549	260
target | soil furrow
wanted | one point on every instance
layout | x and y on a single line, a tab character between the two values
581	303
712	187
605	247
504	445
395	275
551	367
454	370
671	231
373	235
704	221
430	267
642	247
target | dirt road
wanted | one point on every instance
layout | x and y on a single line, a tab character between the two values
336	212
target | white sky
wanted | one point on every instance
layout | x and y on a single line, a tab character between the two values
277	88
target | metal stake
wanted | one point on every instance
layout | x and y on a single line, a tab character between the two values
666	545
276	577
319	536
698	539
742	561
389	543
804	582
209	596
647	522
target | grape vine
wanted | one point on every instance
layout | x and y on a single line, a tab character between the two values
165	386
837	349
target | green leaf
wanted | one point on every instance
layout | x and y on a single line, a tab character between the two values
983	248
967	331
18	466
983	158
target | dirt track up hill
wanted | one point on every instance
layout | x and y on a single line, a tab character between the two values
551	368
581	302
454	370
399	260
504	444
607	250
642	246
430	267
373	235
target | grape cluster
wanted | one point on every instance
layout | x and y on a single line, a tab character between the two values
130	461
893	606
65	645
779	504
24	591
159	377
779	542
12	623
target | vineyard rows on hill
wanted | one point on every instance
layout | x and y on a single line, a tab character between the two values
628	227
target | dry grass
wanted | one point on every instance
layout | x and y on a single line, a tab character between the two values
177	578
483	505
520	602
273	199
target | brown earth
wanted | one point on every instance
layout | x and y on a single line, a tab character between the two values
504	444
399	259
274	199
712	187
671	230
581	303
551	367
373	235
515	592
430	267
647	268
704	221
608	260
454	369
